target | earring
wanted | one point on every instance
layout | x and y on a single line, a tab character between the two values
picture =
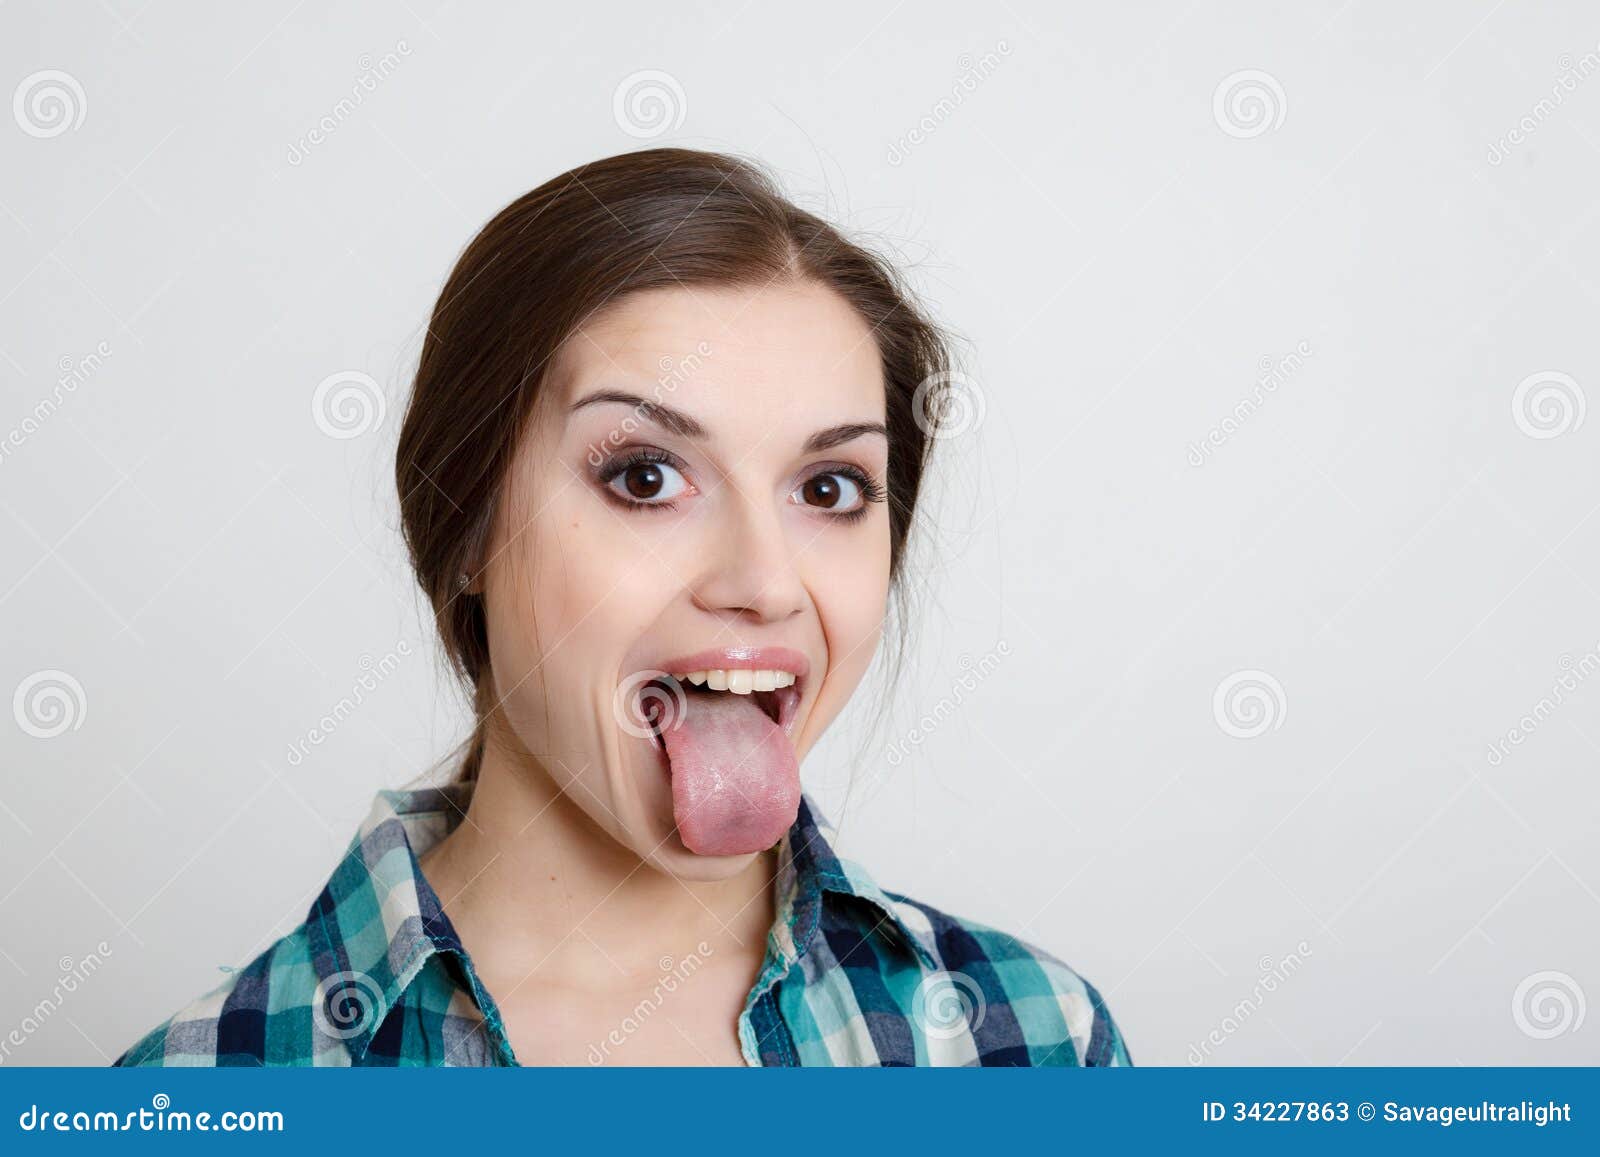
462	581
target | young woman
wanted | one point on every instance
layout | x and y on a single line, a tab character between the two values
657	473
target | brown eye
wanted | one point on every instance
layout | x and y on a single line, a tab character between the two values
643	481
830	492
648	482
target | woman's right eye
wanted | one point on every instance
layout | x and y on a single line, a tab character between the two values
648	483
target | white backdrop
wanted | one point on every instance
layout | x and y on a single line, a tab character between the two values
1276	513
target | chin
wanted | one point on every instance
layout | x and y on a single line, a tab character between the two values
653	836
682	864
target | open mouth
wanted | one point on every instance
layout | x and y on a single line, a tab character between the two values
724	738
667	700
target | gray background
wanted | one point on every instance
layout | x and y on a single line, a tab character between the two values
1406	545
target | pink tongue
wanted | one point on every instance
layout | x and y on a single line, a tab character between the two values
735	781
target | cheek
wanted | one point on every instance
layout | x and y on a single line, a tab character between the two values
849	583
597	582
571	594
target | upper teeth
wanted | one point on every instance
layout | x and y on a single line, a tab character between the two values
740	682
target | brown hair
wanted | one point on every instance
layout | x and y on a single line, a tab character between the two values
549	261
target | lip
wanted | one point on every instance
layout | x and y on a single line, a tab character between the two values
741	659
771	658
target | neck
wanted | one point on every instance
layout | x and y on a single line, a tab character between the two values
537	890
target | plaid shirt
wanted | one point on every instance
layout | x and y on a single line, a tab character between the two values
853	975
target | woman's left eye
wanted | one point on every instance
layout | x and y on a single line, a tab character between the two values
832	491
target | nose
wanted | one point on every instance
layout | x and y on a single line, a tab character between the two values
750	566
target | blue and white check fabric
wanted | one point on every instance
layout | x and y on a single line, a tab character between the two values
853	974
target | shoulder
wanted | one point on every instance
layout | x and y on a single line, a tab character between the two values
228	1026
1025	995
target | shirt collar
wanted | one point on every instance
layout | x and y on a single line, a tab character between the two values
809	869
377	920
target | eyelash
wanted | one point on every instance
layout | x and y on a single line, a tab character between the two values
871	491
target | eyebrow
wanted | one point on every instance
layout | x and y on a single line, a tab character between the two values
684	426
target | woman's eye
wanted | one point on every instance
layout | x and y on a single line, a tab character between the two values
836	492
649	482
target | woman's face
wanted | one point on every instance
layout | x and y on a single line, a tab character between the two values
740	506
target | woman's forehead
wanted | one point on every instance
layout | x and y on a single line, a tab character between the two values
796	344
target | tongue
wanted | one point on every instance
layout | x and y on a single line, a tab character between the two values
735	782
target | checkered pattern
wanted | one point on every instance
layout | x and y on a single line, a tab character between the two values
854	975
